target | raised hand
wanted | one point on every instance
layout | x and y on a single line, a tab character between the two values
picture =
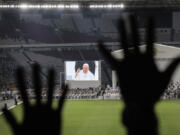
39	118
141	83
77	72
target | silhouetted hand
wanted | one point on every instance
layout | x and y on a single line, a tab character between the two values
141	83
40	118
138	75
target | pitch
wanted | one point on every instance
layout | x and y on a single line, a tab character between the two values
104	118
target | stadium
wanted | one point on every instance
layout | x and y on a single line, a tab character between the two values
64	35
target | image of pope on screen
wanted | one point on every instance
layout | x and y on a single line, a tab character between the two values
84	74
82	70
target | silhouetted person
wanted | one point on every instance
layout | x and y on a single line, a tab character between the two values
15	101
141	83
39	118
5	106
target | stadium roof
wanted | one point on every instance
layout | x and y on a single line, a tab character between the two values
163	55
161	51
127	3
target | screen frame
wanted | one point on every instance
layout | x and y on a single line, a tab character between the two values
99	72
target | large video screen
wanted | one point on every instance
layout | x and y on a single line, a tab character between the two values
82	70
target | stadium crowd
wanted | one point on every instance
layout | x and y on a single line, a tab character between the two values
7	69
90	93
171	92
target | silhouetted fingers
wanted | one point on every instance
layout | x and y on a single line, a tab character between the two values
37	82
150	37
123	37
107	54
21	84
10	119
51	83
63	96
135	33
170	70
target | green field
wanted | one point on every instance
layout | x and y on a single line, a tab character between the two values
104	118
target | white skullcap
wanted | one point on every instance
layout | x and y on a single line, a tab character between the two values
85	64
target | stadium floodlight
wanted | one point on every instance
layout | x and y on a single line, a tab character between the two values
46	6
92	6
4	6
101	6
110	6
107	6
12	6
74	6
61	6
67	6
122	6
38	6
23	6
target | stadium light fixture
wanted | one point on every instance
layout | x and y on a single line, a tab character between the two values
43	6
109	6
74	6
122	6
23	6
61	6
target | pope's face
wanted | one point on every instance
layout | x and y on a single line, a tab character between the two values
85	69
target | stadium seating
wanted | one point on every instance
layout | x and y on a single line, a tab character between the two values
35	28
